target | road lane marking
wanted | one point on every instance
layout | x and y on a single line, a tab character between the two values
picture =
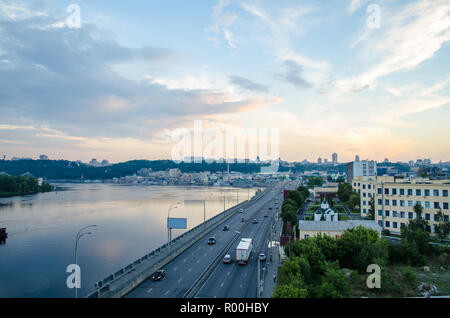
167	292
221	285
149	290
240	286
190	269
175	268
180	280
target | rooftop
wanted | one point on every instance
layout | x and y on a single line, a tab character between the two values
337	226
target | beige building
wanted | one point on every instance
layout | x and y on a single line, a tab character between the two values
395	199
333	229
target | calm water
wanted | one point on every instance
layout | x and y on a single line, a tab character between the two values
131	222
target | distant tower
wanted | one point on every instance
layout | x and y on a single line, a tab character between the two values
357	158
335	158
319	161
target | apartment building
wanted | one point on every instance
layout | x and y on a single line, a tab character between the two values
395	199
360	169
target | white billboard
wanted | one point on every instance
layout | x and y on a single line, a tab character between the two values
177	223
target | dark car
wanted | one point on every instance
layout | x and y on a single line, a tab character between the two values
266	216
159	275
226	228
255	221
270	208
212	241
242	219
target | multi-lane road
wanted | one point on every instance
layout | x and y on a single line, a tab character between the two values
227	280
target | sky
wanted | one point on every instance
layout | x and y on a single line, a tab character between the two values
355	77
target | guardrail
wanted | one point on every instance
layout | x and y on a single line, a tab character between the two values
165	254
196	287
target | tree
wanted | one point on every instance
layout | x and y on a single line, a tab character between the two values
314	181
371	213
297	197
344	192
442	229
334	283
304	191
290	216
289	291
354	200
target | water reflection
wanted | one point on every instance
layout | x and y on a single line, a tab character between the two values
131	219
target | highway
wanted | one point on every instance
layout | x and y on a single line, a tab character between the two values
185	270
240	281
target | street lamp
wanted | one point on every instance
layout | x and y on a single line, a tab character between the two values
80	234
169	230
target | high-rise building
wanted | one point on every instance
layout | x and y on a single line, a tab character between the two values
334	157
357	158
319	161
361	168
43	157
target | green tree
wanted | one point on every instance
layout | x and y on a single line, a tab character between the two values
344	192
297	197
354	201
289	291
371	213
442	228
314	181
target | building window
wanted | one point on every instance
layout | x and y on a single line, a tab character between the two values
380	223
364	186
306	236
364	194
427	204
418	192
387	213
379	190
445	205
380	212
410	192
394	202
410	203
446	218
436	193
402	202
394	191
394	214
364	202
410	215
386	191
403	215
388	224
445	193
427	216
394	225
386	202
380	202
427	192
402	191
364	210
436	205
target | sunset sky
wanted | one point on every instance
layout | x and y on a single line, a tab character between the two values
117	87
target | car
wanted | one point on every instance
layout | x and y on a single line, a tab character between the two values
262	257
266	216
242	219
226	227
270	208
241	210
211	241
227	259
159	275
255	221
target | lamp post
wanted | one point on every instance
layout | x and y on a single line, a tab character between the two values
80	234
169	230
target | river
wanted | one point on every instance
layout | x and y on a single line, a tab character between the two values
131	221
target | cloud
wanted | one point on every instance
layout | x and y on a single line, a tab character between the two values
222	21
248	85
67	79
407	39
294	75
356	5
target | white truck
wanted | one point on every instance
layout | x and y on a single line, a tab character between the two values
243	251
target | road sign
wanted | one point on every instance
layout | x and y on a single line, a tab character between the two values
177	223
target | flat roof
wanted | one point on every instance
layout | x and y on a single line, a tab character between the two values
337	226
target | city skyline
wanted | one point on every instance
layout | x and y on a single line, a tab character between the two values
323	74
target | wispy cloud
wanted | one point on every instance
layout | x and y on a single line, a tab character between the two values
248	85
